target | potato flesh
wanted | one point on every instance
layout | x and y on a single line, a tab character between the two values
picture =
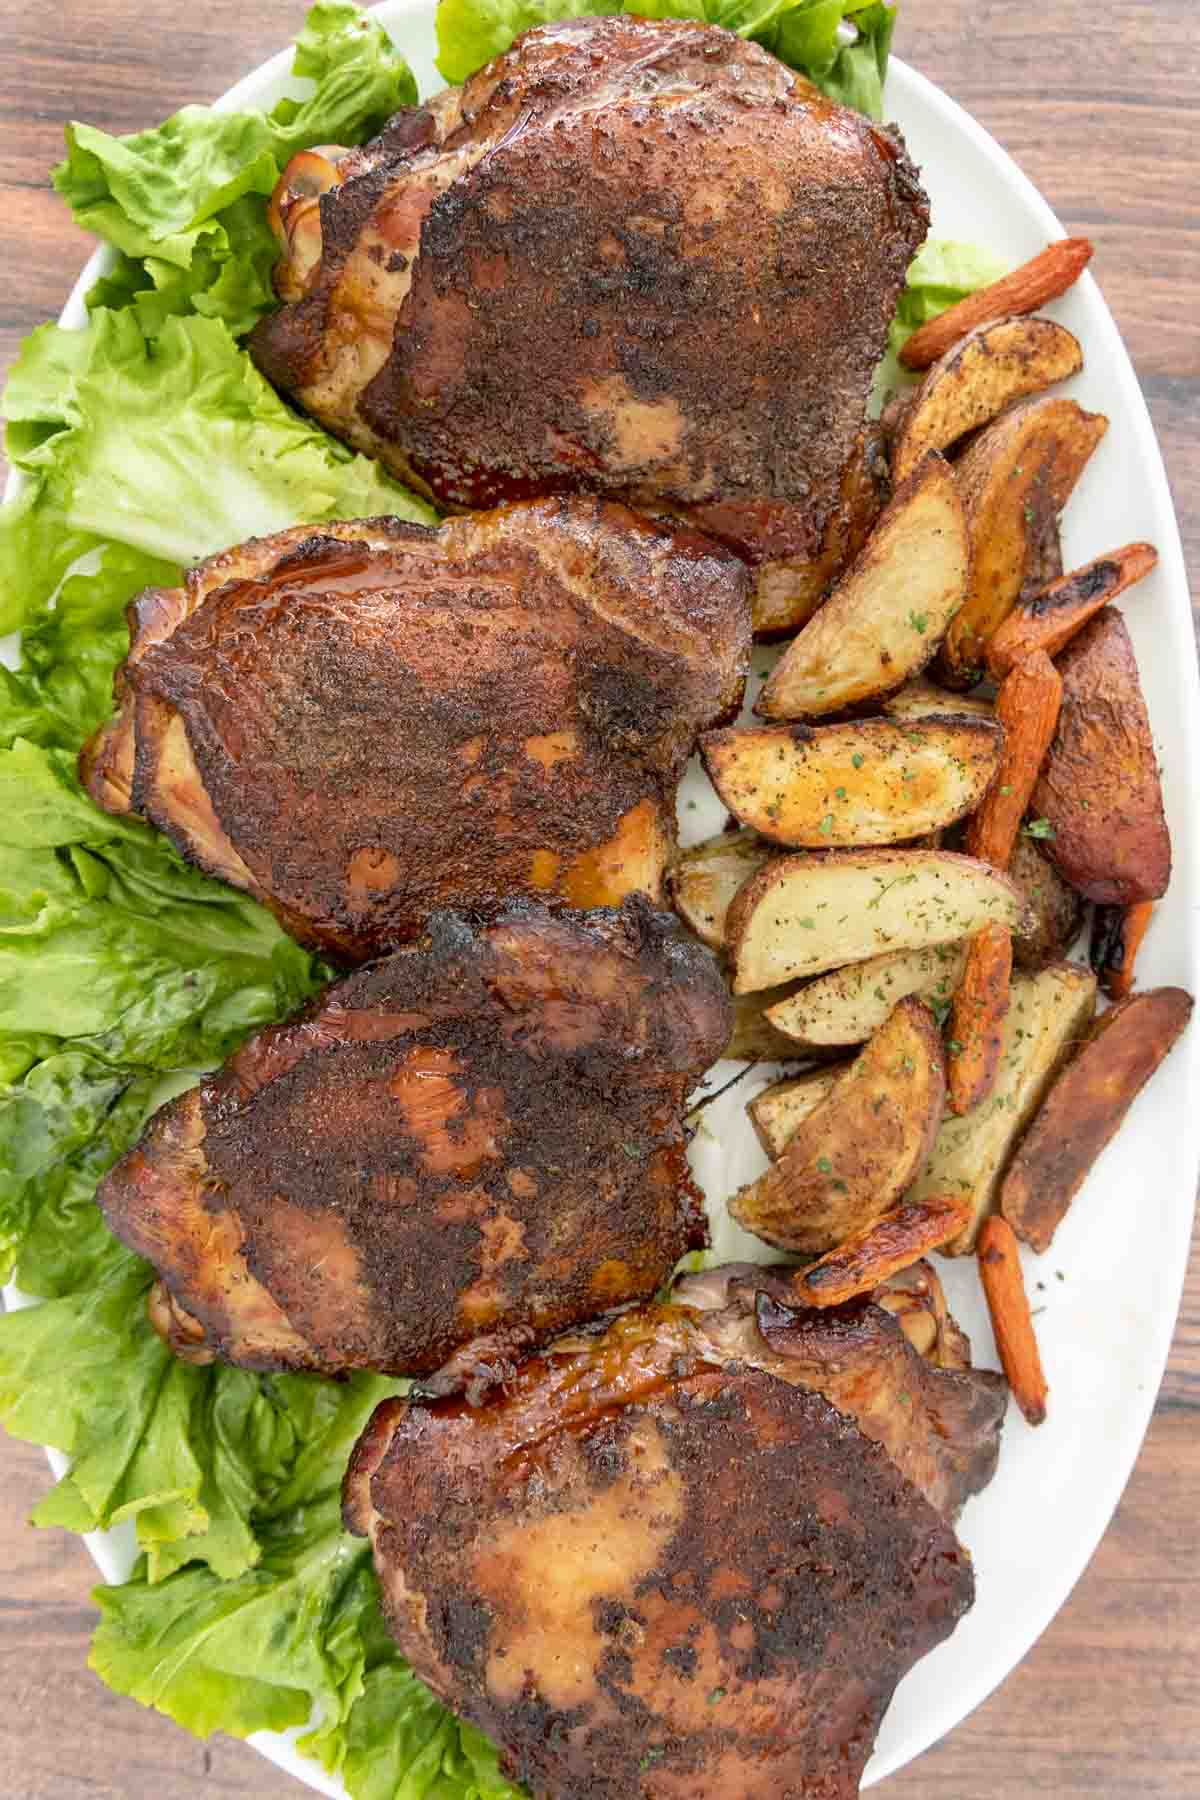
878	781
705	878
847	1005
804	914
779	1110
923	699
1049	1014
859	1147
976	379
887	615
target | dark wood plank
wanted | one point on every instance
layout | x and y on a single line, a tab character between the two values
1098	104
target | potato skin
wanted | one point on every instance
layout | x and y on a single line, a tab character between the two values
1056	910
1015	479
856	1152
979	376
1099	788
1085	1109
848	786
885	617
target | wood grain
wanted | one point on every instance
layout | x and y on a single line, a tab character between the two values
1098	105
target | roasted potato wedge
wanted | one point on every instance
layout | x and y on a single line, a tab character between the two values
1016	476
777	1112
804	914
1048	1016
896	1240
788	592
977	378
859	1148
1099	789
1052	617
703	880
871	781
1056	909
848	1005
754	1037
1117	933
1085	1107
886	616
923	699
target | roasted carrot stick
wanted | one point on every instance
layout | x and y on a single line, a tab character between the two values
1050	619
977	1019
1027	706
1023	290
1012	1323
1117	933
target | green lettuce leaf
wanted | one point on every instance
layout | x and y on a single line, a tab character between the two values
192	1454
63	689
172	447
302	1628
805	34
184	203
942	273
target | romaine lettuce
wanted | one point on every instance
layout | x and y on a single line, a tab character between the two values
173	446
806	34
942	273
183	203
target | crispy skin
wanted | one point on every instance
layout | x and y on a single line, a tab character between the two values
1099	785
520	288
559	1564
479	1134
365	722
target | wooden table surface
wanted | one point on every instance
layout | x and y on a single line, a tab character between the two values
1098	105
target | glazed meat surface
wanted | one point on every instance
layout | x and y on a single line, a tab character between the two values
636	257
648	1566
363	722
938	1418
480	1134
